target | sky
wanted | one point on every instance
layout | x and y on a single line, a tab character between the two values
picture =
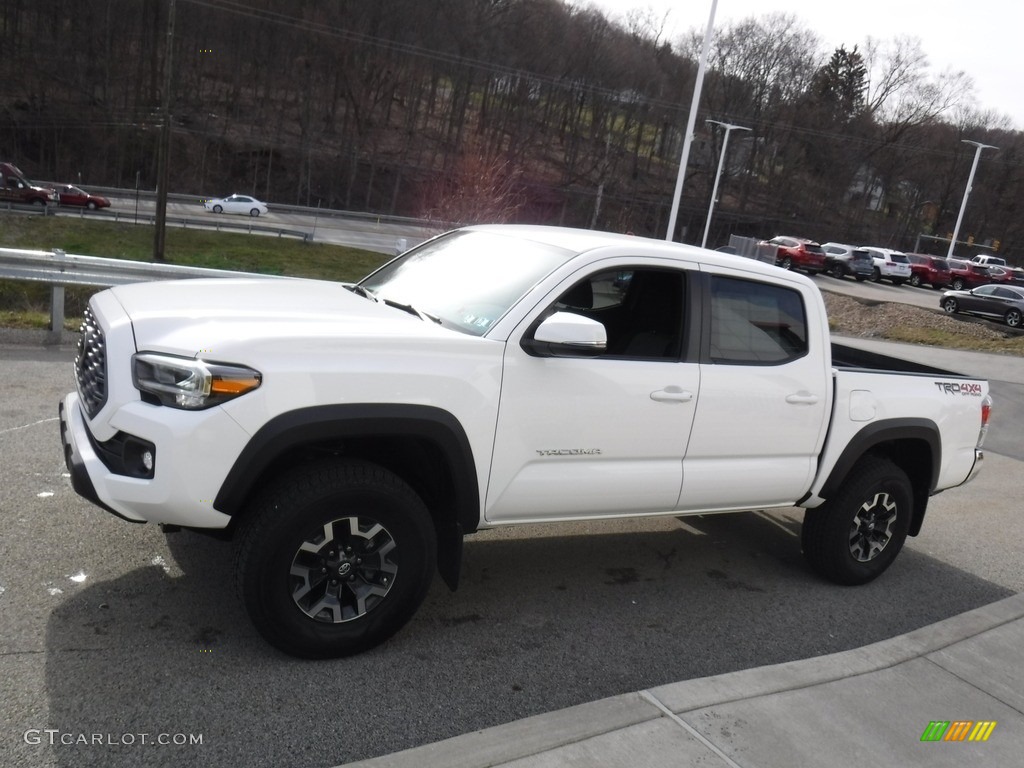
980	37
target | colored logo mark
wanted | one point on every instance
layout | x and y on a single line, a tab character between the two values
958	730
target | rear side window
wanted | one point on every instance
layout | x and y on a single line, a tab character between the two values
756	323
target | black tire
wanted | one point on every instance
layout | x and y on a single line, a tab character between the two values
786	262
915	280
957	284
254	212
335	558
897	282
1012	318
218	209
860	278
854	536
838	271
949	305
91	205
876	275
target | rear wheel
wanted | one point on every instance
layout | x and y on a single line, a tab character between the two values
949	305
957	284
1013	318
838	271
335	558
854	536
915	280
786	262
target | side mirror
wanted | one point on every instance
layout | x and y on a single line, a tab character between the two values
567	334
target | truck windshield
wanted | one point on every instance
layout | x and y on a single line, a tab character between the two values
467	279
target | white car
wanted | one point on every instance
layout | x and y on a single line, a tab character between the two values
236	204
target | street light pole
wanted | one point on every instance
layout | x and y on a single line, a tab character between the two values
718	174
690	122
967	192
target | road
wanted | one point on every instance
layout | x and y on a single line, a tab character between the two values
113	630
380	235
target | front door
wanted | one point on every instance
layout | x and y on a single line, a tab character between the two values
584	436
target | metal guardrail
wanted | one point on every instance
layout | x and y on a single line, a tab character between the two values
59	269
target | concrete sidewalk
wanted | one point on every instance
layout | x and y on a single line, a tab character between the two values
869	706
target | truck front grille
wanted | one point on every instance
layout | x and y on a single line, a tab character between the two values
91	365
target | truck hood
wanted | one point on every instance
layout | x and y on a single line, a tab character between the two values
193	316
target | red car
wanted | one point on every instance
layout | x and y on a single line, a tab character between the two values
928	270
798	253
1007	275
69	194
963	275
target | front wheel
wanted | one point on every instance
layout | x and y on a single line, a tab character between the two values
254	212
854	536
335	558
958	284
1013	318
876	275
838	271
786	263
218	209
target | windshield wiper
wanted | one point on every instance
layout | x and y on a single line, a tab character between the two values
361	291
412	310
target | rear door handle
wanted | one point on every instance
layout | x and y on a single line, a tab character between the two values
672	395
802	398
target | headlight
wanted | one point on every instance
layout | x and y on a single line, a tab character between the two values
182	382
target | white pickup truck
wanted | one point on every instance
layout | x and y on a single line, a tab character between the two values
350	435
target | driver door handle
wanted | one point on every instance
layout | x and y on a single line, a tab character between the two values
672	394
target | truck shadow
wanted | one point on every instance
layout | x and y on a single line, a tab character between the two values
538	624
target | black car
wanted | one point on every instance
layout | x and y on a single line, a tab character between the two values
997	301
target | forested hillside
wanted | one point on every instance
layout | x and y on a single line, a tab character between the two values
505	110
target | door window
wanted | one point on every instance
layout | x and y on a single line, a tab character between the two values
640	308
755	323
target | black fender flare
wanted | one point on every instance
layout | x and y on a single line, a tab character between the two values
333	423
878	434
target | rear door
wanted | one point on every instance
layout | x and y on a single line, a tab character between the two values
766	392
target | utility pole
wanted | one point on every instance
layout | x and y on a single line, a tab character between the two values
967	192
164	146
718	174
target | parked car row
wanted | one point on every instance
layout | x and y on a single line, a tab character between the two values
873	263
839	259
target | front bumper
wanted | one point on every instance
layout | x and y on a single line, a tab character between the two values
194	452
76	463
